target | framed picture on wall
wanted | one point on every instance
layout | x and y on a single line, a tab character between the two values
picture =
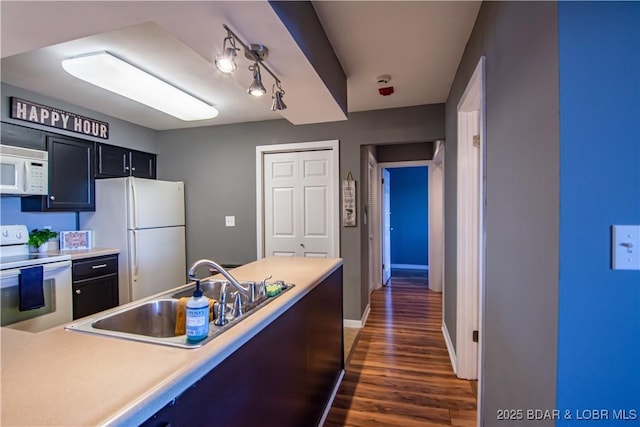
349	213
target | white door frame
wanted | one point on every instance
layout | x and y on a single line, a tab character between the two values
471	228
385	224
436	220
391	165
261	150
374	223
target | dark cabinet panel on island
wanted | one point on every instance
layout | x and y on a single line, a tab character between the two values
95	285
284	376
71	178
115	162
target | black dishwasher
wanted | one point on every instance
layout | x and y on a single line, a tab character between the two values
95	285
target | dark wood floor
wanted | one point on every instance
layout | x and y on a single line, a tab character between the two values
400	373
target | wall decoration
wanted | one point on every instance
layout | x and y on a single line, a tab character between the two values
54	117
75	239
349	213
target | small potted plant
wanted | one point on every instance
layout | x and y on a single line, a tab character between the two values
41	240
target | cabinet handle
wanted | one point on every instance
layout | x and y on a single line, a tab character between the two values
133	169
52	197
126	168
98	266
78	291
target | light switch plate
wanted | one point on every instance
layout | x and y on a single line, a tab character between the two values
230	221
625	251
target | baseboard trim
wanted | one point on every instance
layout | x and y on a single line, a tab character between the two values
365	316
450	349
327	408
350	323
410	267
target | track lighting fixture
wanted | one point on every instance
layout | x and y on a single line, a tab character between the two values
257	53
277	104
256	88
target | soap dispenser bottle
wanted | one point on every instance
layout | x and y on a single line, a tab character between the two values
197	321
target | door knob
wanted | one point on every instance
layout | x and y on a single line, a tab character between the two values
78	291
52	197
302	245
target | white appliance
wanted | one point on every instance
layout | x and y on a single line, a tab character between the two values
144	218
56	283
23	171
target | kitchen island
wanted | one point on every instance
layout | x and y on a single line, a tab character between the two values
283	361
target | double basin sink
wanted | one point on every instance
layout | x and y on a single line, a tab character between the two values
154	321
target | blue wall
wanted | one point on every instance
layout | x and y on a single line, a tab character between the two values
10	214
599	308
409	215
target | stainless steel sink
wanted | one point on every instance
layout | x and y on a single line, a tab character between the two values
154	320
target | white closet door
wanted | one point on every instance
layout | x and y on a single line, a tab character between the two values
298	204
281	194
315	187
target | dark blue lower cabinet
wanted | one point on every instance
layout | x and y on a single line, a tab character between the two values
284	376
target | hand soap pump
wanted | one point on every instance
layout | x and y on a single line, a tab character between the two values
197	315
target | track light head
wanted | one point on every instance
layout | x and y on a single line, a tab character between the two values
226	61
278	104
256	88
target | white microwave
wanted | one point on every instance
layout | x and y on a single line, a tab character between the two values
23	171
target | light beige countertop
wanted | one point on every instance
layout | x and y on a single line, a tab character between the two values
77	254
66	378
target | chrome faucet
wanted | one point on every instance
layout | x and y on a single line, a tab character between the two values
215	266
221	318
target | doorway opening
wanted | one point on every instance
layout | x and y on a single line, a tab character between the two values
406	217
470	244
417	223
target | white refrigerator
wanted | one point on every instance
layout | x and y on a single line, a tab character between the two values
144	218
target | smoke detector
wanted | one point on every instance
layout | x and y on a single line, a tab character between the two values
383	84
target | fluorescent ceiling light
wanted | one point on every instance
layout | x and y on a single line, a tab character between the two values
113	74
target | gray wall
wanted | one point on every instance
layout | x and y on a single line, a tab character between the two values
520	42
218	167
121	133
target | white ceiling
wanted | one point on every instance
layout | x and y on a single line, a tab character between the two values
419	43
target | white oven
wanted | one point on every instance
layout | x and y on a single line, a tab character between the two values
56	283
23	171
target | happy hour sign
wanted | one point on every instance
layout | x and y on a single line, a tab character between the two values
54	117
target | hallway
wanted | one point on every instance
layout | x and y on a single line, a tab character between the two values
399	373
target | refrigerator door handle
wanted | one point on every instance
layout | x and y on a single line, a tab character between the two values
134	204
135	253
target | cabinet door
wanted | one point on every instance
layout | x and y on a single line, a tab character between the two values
94	295
71	181
20	136
143	165
111	161
71	178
